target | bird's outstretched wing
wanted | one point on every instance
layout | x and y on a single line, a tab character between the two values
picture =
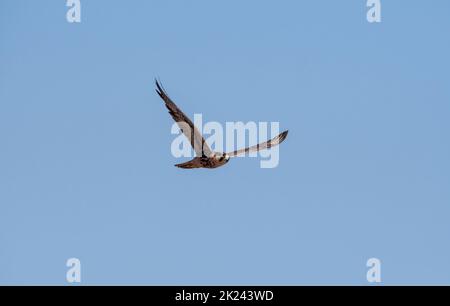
264	145
201	148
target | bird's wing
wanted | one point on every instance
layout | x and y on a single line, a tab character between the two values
201	148
264	145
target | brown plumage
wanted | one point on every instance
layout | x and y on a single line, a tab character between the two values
206	158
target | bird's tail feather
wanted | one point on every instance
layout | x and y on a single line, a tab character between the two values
192	164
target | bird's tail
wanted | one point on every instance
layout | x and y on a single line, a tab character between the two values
192	164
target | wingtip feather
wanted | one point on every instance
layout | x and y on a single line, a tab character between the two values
283	136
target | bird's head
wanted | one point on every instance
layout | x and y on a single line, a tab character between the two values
222	157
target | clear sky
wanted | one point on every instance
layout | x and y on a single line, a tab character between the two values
86	169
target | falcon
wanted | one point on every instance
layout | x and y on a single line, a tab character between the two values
205	157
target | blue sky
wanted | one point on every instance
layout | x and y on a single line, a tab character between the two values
86	169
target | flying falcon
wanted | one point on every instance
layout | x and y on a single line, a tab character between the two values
205	158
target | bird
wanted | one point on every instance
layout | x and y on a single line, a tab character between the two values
205	157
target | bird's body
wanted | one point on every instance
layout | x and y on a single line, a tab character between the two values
214	161
205	157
